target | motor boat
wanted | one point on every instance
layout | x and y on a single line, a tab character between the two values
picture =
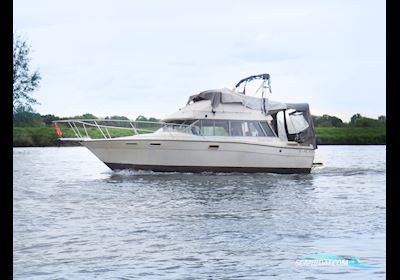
220	130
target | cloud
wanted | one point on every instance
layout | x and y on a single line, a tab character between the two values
147	57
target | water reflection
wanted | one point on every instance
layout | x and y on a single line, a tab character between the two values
216	186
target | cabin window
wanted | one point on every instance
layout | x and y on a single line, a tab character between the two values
207	127
214	128
255	129
267	129
247	128
221	128
236	128
232	128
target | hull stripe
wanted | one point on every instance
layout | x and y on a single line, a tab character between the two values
128	141
196	169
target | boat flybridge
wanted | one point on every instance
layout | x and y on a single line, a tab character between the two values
220	130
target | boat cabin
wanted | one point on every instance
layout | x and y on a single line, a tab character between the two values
224	112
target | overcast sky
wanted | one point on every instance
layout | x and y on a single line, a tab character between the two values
146	57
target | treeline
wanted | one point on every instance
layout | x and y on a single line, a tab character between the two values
331	130
356	121
30	119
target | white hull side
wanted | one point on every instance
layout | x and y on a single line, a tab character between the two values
194	155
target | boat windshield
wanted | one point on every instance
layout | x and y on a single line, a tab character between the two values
183	126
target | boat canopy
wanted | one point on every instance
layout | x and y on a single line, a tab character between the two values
225	95
269	107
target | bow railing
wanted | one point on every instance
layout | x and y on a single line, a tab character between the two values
83	129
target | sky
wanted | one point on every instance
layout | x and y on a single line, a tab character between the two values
133	58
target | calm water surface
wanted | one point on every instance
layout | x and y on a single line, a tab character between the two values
76	219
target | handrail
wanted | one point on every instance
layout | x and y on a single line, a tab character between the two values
82	125
108	120
100	129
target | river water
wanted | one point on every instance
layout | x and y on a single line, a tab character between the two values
76	219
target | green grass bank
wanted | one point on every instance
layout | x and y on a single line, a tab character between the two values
351	135
45	136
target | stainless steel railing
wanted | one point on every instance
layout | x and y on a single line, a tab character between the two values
80	129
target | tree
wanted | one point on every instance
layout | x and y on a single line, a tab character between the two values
354	118
359	121
327	121
152	119
24	82
141	118
119	118
24	118
84	116
49	118
88	116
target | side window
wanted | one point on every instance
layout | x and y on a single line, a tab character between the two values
255	129
236	128
207	127
221	128
245	128
233	128
267	129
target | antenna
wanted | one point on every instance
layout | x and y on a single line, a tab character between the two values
266	83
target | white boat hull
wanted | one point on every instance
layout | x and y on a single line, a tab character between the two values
196	154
